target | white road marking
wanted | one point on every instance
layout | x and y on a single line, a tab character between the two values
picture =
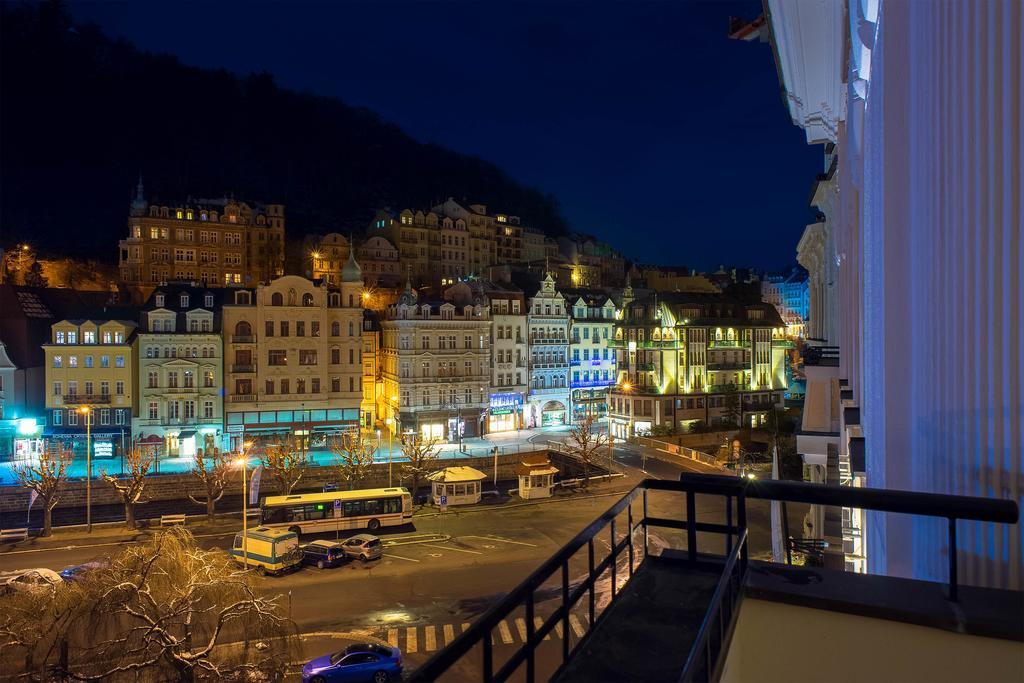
506	634
393	637
465	627
410	639
558	629
537	623
399	557
430	638
521	627
503	540
577	627
449	634
458	550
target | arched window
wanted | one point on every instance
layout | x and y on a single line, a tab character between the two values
277	299
243	329
335	329
307	299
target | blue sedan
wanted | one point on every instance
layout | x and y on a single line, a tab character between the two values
363	662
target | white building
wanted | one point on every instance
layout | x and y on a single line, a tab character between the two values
591	362
548	400
510	352
180	390
919	103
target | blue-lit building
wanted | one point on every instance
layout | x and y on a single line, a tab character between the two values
592	315
789	292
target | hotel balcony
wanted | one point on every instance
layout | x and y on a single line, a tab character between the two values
668	587
242	398
242	368
243	339
728	343
86	399
728	366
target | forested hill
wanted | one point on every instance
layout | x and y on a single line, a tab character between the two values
82	115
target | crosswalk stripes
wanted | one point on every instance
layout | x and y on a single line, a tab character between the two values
508	632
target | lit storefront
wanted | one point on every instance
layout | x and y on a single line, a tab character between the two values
505	412
22	439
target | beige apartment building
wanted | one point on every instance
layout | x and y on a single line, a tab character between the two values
435	359
684	358
324	257
217	242
294	359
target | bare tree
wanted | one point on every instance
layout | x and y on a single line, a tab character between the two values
129	487
733	408
586	445
161	610
353	458
214	477
421	456
47	478
285	464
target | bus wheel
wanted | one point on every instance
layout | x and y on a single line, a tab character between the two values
261	570
295	529
373	524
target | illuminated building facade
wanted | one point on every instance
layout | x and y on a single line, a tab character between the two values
592	320
510	350
325	256
686	358
548	402
180	376
379	261
293	363
436	366
90	366
217	242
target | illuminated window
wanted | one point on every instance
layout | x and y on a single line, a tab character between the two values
177	213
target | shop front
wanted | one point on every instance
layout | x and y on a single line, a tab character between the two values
504	413
589	403
553	414
22	439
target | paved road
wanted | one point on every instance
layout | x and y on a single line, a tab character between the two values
442	572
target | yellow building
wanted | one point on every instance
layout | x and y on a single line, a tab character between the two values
91	374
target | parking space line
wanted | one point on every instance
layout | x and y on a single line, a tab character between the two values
577	627
503	540
393	637
537	623
410	639
521	627
458	550
449	634
558	629
399	557
429	638
506	634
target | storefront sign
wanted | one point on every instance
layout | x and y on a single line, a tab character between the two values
102	449
503	404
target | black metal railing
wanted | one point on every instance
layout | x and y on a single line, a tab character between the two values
705	658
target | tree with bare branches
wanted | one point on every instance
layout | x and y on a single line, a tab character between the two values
213	475
353	458
586	445
132	483
285	464
159	611
47	479
421	459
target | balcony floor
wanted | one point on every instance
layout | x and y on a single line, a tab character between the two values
647	632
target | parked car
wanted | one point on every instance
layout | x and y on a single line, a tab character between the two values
363	662
29	580
324	554
78	572
363	547
269	551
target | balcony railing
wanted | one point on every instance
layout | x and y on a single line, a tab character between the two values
86	399
549	340
728	366
551	365
243	339
728	343
243	368
242	398
717	581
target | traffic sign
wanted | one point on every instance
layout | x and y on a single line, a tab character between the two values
444	503
337	503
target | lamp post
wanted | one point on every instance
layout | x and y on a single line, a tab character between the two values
391	432
87	412
245	506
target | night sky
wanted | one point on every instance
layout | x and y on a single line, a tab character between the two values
642	118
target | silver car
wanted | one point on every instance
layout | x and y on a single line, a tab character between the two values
363	547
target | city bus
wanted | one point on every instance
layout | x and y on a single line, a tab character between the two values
336	510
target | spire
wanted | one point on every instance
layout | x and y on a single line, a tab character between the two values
138	206
351	272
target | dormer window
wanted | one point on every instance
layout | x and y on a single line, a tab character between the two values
208	301
184	300
159	300
242	298
178	213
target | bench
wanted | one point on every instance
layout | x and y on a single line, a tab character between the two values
171	519
13	535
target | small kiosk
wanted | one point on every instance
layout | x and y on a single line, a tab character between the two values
460	484
536	476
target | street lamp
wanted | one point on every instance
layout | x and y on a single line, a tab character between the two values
245	505
87	412
391	432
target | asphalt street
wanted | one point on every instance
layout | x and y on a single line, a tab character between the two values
441	572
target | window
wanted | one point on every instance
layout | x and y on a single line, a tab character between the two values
284	328
104	388
277	357
88	361
119	417
307	357
300	386
172	410
58	361
208	301
105	416
335	356
118	361
269	328
315	385
105	361
72	418
108	338
285	387
335	329
72	361
189	379
277	299
89	337
208	378
207	410
72	388
172	380
351	356
335	384
314	328
300	328
190	410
